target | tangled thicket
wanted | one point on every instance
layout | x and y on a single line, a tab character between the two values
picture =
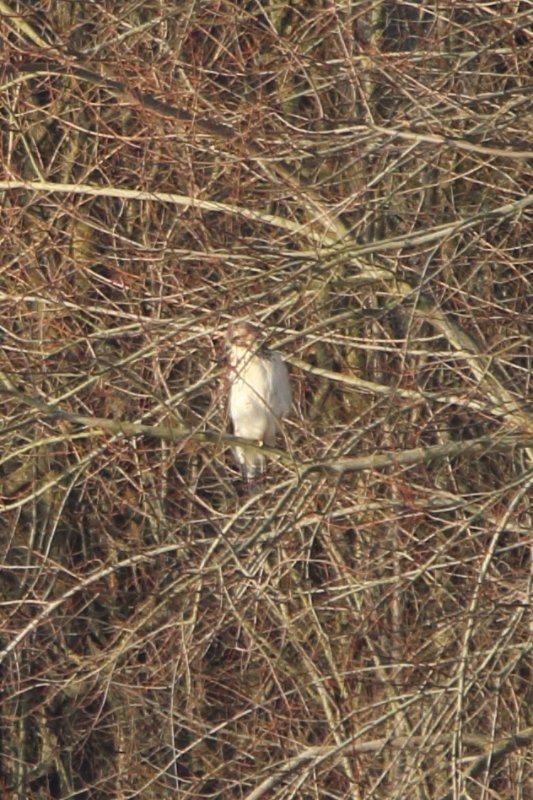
354	177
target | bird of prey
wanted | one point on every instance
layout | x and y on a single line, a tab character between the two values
260	394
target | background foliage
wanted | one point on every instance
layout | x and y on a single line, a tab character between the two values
355	177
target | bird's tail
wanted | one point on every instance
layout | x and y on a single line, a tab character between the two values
252	464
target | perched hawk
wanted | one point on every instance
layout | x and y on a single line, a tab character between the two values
260	394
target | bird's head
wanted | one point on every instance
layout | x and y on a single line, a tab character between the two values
243	334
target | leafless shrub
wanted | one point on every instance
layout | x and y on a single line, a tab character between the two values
355	177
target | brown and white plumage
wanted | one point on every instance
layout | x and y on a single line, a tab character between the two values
260	394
